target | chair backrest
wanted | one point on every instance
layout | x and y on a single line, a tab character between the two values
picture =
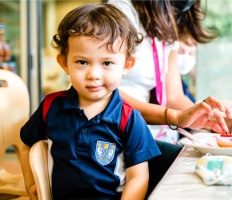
39	165
14	112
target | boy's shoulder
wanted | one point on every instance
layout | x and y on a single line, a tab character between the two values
49	99
56	94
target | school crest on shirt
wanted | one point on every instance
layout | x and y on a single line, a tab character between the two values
105	152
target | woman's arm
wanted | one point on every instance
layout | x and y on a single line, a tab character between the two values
176	98
197	116
137	178
152	113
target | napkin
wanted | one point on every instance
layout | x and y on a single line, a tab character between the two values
215	169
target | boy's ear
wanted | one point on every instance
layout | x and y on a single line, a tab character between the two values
128	65
62	62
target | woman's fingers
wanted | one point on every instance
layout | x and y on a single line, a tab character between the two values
223	106
214	103
203	116
228	107
217	123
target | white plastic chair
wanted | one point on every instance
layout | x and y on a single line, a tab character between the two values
39	165
14	112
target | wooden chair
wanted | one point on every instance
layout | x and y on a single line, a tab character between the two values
39	165
14	112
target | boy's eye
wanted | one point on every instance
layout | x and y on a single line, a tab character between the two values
107	63
82	62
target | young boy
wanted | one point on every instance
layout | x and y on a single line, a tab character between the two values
92	158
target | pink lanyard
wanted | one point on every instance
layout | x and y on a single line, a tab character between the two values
160	86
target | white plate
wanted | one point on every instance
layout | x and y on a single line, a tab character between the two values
209	138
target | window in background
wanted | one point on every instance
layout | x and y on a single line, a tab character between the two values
53	77
9	36
214	63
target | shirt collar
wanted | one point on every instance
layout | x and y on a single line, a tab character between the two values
71	100
112	112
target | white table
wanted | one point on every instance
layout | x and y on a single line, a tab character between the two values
182	183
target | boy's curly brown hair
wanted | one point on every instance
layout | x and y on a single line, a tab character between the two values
101	21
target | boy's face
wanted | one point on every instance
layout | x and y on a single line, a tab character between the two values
94	71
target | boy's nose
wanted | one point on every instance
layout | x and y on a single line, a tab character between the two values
94	72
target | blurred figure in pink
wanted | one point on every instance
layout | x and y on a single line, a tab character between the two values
5	53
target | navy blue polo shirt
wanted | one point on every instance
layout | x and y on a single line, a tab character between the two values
90	156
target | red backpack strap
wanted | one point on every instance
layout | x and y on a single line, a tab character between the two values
48	100
126	111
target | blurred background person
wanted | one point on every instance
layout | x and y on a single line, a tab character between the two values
5	53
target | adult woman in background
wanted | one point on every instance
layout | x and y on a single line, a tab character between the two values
163	23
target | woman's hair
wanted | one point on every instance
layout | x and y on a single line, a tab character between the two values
171	20
101	21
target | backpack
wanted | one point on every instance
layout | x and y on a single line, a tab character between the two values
126	108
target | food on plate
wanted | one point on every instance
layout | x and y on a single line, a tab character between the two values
224	140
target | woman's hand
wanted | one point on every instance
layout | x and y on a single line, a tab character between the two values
224	106
208	114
